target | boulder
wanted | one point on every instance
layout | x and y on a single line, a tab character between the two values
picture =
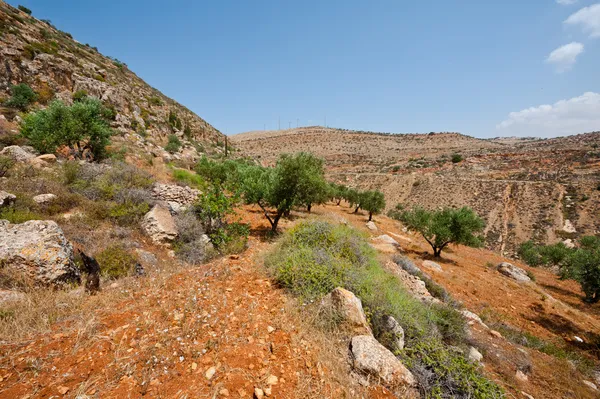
386	244
373	359
391	334
6	199
345	304
39	249
474	355
44	198
371	226
147	258
432	265
47	158
413	284
159	225
512	271
176	196
19	154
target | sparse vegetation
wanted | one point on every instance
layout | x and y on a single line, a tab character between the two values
25	9
116	262
456	158
6	163
173	144
21	97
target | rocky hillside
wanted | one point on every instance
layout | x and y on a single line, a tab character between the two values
56	66
545	190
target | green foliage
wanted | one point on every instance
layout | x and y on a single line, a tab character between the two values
174	121
372	202
315	257
188	178
115	262
155	100
80	95
456	158
24	9
6	163
446	226
173	144
34	48
187	132
82	127
581	264
18	215
21	97
224	174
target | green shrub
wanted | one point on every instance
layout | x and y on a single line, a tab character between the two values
155	100
24	9
34	48
174	121
18	215
80	95
115	262
456	158
22	97
81	126
188	178
315	257
173	144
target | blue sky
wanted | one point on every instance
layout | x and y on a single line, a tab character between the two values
382	65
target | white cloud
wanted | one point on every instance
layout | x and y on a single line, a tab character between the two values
576	115
566	2
565	56
588	18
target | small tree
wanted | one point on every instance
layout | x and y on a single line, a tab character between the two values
22	97
173	144
456	158
446	226
81	127
373	202
24	9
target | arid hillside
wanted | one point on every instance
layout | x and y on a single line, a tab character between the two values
546	190
56	66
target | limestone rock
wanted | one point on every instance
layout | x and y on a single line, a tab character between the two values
11	296
159	225
44	198
568	227
386	244
47	158
371	226
19	154
432	265
372	358
39	249
512	271
175	195
590	384
6	199
349	307
147	258
413	284
474	355
392	334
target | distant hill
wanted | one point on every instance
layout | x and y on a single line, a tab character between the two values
526	188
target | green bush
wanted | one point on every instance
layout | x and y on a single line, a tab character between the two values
174	121
21	97
155	100
115	262
173	144
25	9
456	158
18	215
81	127
315	257
189	178
80	95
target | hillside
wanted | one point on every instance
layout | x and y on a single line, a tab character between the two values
56	66
524	188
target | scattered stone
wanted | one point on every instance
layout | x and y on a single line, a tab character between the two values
474	355
371	226
413	284
63	390
392	334
526	395
568	227
576	338
47	158
19	154
590	385
432	265
372	358
495	334
270	329
258	393
44	198
345	304
209	374
176	196
6	199
272	380
520	376
39	249
224	392
512	271
471	316
146	257
159	225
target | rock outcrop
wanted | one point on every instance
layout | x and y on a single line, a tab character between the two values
44	198
512	271
373	359
432	265
178	197
39	249
346	305
413	284
159	224
19	154
391	334
6	199
386	244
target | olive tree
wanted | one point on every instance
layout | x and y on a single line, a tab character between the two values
443	227
372	202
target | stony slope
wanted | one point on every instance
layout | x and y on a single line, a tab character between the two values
55	65
524	188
